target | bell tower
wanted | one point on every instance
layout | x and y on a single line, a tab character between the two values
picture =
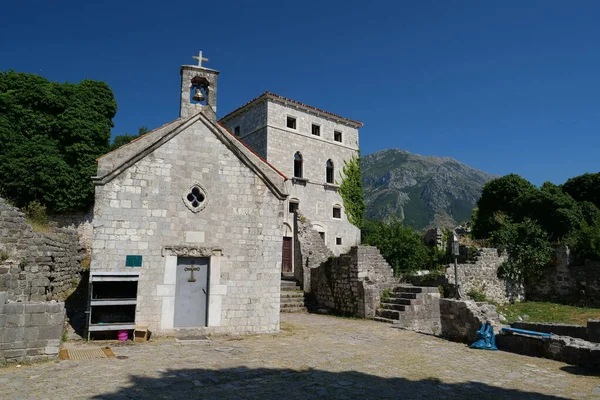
198	89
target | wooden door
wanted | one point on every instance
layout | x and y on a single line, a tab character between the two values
286	257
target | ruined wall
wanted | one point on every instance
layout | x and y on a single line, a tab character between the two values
36	266
310	250
461	319
352	283
80	222
30	331
567	283
482	276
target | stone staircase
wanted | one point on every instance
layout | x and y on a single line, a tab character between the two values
292	297
411	307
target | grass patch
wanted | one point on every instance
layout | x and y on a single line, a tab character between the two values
549	312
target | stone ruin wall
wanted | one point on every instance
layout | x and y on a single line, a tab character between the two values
567	282
36	266
461	319
482	276
352	283
30	332
310	250
80	222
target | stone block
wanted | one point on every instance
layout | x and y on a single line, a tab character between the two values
38	320
593	330
3	297
14	321
51	350
50	333
14	353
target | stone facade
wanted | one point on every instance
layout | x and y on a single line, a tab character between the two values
141	209
36	266
30	331
568	283
482	276
262	125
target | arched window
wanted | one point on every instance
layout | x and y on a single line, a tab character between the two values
329	171
298	165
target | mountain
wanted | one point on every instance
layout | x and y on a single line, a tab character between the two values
424	191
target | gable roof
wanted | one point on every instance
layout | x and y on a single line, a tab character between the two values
306	107
114	163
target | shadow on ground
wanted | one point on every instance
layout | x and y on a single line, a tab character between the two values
271	384
76	305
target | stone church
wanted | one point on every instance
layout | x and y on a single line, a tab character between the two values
193	222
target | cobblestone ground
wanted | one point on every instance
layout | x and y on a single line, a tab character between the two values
314	357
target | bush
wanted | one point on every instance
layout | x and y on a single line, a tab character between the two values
36	215
400	245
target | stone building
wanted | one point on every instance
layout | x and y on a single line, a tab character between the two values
310	146
198	220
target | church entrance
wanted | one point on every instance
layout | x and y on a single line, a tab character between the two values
286	257
191	292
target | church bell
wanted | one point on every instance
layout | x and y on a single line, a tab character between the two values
198	96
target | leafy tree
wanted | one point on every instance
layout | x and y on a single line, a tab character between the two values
351	191
554	210
499	195
125	138
399	244
528	247
584	187
51	135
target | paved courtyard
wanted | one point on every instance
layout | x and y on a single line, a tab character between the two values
314	357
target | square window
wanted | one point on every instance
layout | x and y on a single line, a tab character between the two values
337	212
337	136
236	131
291	122
322	234
293	206
338	241
316	130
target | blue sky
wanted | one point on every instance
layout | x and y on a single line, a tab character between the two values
509	86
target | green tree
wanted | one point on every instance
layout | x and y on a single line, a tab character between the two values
399	244
528	247
502	195
351	191
125	138
554	210
584	187
51	135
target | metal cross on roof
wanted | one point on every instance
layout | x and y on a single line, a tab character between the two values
199	58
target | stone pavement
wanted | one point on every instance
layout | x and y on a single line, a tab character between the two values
314	357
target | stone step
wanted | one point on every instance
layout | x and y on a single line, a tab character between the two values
288	288
292	300
293	310
292	293
381	319
392	306
288	283
411	295
399	300
415	289
390	314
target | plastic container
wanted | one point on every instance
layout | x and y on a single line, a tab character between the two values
123	336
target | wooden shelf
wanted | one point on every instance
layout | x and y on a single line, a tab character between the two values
112	327
113	302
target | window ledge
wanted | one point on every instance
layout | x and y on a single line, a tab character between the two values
301	181
331	186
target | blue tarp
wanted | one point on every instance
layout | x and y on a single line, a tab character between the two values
487	340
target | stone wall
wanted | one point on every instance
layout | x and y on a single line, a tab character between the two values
568	283
461	319
560	348
80	222
30	331
482	276
352	283
310	250
36	266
